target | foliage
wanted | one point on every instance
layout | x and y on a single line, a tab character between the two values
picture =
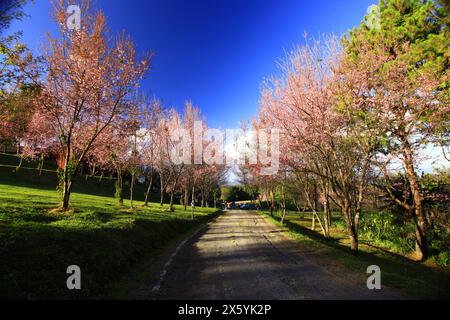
416	280
387	231
443	259
234	193
349	110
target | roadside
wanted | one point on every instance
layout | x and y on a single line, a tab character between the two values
415	280
105	240
139	282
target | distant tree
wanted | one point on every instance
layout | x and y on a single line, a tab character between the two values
151	114
16	111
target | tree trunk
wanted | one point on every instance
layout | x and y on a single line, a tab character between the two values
202	194
313	205
161	182
186	196
119	187
260	201
283	204
315	217
41	165
19	166
132	189
171	200
272	203
149	189
326	218
67	179
67	186
174	186
353	235
420	219
354	243
326	210
193	196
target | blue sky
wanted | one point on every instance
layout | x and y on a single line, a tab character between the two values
213	52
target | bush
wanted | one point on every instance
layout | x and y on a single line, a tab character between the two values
385	228
443	259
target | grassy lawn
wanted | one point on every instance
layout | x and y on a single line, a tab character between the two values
36	245
415	280
29	177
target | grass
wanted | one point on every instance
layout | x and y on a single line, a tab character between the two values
106	241
28	177
110	243
416	280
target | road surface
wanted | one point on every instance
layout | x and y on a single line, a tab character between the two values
242	256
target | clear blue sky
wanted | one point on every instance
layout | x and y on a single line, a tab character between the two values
213	52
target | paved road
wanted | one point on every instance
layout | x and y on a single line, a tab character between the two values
242	256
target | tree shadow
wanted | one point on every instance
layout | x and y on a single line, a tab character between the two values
36	251
413	277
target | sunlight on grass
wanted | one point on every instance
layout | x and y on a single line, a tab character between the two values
105	240
417	280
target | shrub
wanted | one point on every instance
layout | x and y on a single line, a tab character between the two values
385	228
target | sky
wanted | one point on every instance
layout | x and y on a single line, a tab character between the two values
215	53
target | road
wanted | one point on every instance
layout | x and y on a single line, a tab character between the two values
242	256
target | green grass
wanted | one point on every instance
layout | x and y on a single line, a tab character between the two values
106	241
416	280
28	177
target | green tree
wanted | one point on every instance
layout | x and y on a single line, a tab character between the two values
402	52
15	58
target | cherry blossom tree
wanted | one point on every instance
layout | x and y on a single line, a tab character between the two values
151	114
320	141
169	171
89	81
38	140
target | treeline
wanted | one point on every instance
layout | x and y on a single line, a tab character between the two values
354	115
